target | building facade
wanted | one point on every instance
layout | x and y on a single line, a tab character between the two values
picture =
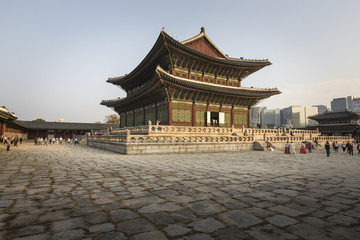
270	118
297	116
255	116
321	108
188	83
9	126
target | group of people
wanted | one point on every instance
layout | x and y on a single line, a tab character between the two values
58	141
290	148
346	147
10	140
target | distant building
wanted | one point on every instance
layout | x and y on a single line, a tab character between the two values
338	123
355	105
321	108
61	129
297	116
255	116
270	118
9	125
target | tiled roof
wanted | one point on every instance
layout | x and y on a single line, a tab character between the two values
65	125
335	115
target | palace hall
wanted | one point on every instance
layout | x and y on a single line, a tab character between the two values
188	83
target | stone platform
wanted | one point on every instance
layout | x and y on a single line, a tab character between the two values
152	139
78	192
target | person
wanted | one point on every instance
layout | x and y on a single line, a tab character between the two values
351	149
60	140
292	148
269	148
8	143
343	145
333	145
303	148
327	147
309	147
348	147
21	139
76	141
35	141
287	148
45	141
16	139
69	141
336	146
358	148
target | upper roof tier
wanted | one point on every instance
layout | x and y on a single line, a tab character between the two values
197	53
331	115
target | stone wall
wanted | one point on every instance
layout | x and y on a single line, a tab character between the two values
166	148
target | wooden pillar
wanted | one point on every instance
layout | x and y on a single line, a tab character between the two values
232	116
125	123
1	128
227	81
193	117
189	74
170	113
144	116
156	113
46	133
37	133
215	79
239	82
133	120
248	117
202	77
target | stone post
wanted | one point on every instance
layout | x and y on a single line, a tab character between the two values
149	126
127	136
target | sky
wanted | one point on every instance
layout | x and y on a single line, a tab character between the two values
55	56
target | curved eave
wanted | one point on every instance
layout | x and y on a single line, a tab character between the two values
152	55
148	88
215	88
149	57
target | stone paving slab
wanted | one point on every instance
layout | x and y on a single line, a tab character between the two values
78	192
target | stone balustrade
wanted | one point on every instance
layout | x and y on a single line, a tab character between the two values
333	138
173	139
285	139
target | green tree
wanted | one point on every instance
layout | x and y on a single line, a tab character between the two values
112	119
39	120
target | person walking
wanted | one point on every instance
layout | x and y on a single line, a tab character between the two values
287	148
292	148
303	148
8	143
327	147
343	145
358	148
351	149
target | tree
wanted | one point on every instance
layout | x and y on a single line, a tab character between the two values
112	119
39	120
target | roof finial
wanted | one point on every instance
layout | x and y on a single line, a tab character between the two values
163	29
202	30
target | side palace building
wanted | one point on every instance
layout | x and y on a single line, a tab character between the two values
188	83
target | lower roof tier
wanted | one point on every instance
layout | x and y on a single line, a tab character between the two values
167	86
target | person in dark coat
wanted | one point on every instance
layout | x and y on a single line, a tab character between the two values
8	143
327	147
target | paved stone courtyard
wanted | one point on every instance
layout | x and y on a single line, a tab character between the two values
78	192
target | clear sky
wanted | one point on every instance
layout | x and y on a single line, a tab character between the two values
55	56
